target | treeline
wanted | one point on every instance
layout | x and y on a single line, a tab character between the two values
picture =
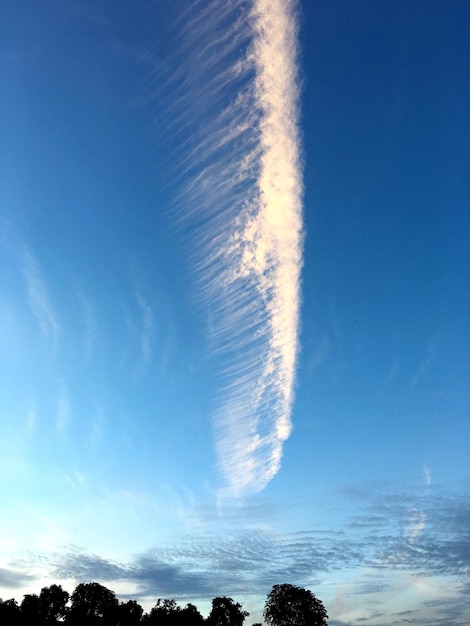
92	604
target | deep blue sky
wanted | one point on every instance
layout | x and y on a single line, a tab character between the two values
139	356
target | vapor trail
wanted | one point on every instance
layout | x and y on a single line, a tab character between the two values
241	175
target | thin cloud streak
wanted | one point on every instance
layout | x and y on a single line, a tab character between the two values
31	420
97	427
427	475
63	408
39	302
242	196
90	331
147	333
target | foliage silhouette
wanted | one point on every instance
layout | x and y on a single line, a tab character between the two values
92	604
226	612
10	613
190	616
169	613
129	613
288	605
53	604
31	609
164	613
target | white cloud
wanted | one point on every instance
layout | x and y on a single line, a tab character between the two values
244	201
268	244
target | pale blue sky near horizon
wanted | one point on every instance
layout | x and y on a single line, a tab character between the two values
130	347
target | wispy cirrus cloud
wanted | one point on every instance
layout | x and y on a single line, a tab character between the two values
89	322
240	173
427	475
97	428
417	524
31	420
147	328
39	301
64	410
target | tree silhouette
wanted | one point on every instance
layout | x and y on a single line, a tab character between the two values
226	612
169	613
92	604
52	604
190	616
129	613
288	605
165	613
30	609
10	612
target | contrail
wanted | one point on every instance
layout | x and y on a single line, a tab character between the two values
240	169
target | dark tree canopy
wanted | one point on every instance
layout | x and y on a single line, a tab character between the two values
46	609
92	604
9	612
226	612
190	616
169	613
288	605
53	603
31	609
129	613
164	613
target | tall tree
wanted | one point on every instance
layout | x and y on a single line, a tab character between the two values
165	613
30	609
53	604
92	604
10	612
190	616
226	612
288	605
129	613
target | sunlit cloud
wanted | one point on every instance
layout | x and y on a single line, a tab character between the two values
39	301
243	196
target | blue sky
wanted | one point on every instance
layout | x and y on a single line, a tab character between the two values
234	303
